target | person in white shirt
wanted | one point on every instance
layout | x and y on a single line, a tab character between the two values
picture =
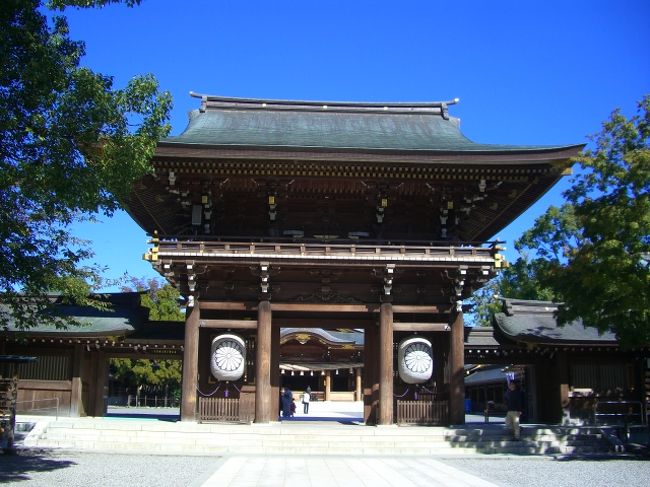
306	396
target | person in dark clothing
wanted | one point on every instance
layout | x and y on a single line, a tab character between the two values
287	400
514	398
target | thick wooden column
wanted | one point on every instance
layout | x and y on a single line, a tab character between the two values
370	374
275	371
76	392
190	365
357	385
101	384
263	390
562	364
456	369
386	364
328	385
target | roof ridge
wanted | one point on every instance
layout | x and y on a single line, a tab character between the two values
221	102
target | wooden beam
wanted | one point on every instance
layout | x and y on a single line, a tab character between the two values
190	365
263	389
328	322
457	370
235	324
358	394
227	306
76	390
323	308
386	364
275	371
101	384
420	309
403	326
370	380
328	385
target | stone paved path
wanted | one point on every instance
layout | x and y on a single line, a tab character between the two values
240	471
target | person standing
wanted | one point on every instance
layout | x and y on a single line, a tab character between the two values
515	405
287	399
306	396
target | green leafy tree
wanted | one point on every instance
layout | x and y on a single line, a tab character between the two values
518	281
163	303
71	145
165	375
593	252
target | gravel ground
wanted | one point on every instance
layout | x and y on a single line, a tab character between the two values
47	468
71	469
544	471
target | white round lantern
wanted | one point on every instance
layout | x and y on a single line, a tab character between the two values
228	357
415	360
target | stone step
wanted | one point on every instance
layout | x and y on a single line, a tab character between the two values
293	438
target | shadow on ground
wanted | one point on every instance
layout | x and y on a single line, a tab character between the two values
18	466
322	419
172	418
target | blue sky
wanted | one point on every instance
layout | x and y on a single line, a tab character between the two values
526	72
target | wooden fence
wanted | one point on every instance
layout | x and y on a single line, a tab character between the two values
422	412
218	409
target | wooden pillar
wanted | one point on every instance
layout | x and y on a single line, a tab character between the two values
328	385
275	371
190	364
263	390
456	369
101	384
370	374
76	392
357	385
386	364
562	364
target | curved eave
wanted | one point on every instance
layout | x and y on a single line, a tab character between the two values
565	151
68	334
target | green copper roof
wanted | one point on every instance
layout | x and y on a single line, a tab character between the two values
283	124
123	315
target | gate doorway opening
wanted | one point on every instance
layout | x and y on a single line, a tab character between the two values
321	369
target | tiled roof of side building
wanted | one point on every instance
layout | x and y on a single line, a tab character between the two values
345	126
534	322
121	316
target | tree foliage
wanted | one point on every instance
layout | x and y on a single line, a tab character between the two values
593	252
163	301
133	373
71	145
518	281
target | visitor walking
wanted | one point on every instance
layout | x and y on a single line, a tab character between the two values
515	405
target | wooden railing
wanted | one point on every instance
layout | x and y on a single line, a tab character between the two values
218	409
164	248
422	412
